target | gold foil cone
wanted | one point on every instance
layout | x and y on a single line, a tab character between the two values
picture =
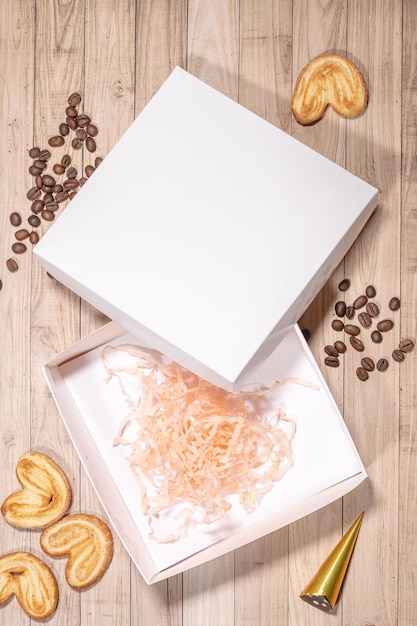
323	589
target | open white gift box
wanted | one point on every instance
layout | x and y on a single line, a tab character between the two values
205	234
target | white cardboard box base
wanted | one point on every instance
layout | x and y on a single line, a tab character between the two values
326	462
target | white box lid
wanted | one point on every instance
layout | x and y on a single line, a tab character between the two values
206	231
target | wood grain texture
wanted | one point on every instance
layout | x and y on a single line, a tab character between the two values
374	150
265	88
16	130
212	56
117	54
318	28
407	523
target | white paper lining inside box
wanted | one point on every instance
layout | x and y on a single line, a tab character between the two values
326	463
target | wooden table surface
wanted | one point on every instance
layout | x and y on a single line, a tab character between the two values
117	53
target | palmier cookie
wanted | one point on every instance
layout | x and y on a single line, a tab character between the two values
332	80
46	493
31	581
87	541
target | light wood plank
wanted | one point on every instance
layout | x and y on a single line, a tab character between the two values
318	29
213	44
407	523
160	45
261	568
371	411
108	90
59	54
17	33
213	56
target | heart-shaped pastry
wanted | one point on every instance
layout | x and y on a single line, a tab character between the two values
87	541
46	493
332	80
31	581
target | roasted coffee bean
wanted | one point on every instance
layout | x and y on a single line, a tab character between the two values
15	219
34	152
61	197
44	155
356	343
37	206
337	325
331	350
48	216
34	171
72	194
71	111
368	363
72	172
52	206
370	291
33	238
351	329
344	284
340	308
21	234
19	248
91	144
72	122
398	355
58	169
12	265
64	129
38	181
40	164
66	161
83	120
360	302
89	169
71	184
1	285
82	134
47	189
92	130
406	345
57	188
340	346
385	325
394	304
34	221
33	193
98	161
382	365
365	319
74	99
83	181
350	312
306	333
48	180
56	141
48	197
372	309
362	374
331	361
376	336
76	143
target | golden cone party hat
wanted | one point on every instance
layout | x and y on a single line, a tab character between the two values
323	589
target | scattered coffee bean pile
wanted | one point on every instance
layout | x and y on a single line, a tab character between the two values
54	188
366	311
